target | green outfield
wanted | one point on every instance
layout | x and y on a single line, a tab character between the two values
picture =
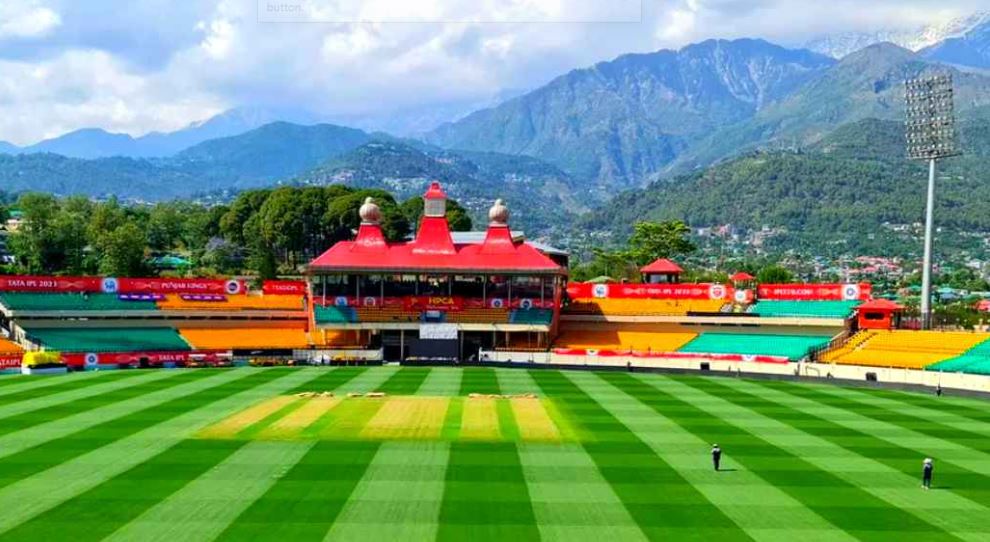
471	454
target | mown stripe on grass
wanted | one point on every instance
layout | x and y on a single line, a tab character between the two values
571	500
18	382
98	512
303	504
965	431
442	381
863	430
507	424
479	380
70	402
329	379
485	495
748	489
934	515
59	450
201	510
451	429
367	380
46	424
405	382
66	384
399	496
183	416
964	407
662	502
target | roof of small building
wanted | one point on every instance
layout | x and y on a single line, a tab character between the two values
662	265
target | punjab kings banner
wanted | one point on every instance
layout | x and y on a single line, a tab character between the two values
649	291
815	292
24	283
283	287
93	359
176	286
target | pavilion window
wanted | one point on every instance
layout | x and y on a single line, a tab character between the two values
468	286
527	287
400	285
370	285
497	287
337	285
434	285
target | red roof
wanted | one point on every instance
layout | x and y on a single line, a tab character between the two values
881	305
741	276
433	250
663	265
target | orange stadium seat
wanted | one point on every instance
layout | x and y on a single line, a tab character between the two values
245	338
903	348
235	303
9	348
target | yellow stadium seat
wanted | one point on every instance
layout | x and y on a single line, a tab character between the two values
643	307
905	349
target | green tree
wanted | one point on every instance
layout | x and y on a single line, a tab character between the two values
122	251
774	274
166	224
652	240
36	244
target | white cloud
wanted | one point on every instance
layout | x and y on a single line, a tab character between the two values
27	19
153	66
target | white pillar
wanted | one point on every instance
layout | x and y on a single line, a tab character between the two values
926	271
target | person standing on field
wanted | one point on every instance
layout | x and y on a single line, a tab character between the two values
926	474
716	456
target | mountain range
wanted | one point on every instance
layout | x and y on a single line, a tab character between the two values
914	39
662	126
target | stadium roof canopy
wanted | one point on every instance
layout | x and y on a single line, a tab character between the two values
434	248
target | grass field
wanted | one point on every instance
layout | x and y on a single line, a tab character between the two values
237	455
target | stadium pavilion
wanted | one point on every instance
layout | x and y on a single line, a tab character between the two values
437	296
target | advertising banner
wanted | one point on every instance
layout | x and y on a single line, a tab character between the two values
815	292
30	283
93	359
649	291
12	361
283	287
434	303
178	286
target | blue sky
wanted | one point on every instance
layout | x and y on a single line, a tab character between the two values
136	66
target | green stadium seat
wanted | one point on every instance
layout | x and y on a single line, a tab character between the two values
25	301
793	347
108	340
976	360
331	314
531	316
805	309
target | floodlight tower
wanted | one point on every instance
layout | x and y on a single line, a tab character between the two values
931	135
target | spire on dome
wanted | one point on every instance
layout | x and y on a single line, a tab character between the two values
369	212
435	201
498	215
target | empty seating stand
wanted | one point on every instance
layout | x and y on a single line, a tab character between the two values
531	316
805	309
905	349
108	340
632	337
331	314
25	301
642	307
235	303
793	347
245	338
8	348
